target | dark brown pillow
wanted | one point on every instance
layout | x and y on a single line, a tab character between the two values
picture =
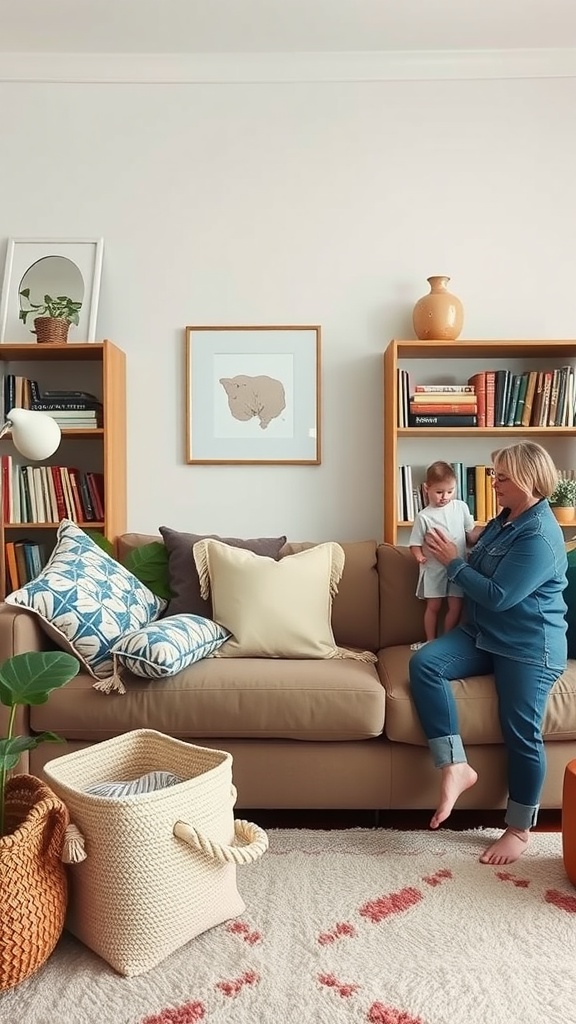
184	582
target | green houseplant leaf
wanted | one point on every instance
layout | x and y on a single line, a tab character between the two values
149	563
29	679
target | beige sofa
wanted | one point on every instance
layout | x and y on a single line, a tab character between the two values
309	734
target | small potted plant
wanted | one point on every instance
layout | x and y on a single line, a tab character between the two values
33	821
52	317
563	500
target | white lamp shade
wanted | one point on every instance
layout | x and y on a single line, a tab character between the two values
35	434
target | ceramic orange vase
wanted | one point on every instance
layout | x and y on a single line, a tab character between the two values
438	316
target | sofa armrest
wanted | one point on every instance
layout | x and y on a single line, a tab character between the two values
19	632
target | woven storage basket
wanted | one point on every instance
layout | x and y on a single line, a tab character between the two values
160	867
33	890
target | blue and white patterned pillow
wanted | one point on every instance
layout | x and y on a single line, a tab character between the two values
165	647
86	600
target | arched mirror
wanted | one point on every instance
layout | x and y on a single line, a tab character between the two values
54	276
41	267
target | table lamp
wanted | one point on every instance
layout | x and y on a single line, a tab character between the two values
36	435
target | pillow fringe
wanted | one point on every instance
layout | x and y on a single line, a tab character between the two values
200	552
337	568
366	656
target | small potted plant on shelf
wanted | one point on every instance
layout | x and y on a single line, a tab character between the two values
33	821
52	317
563	500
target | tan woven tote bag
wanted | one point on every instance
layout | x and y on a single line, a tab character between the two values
160	867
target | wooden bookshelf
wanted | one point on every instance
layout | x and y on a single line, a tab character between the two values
99	368
455	362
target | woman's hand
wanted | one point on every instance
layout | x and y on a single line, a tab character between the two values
439	545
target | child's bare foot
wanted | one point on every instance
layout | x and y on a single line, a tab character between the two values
508	848
456	778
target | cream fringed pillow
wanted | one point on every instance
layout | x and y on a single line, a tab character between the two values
274	609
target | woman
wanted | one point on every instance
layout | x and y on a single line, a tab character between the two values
514	627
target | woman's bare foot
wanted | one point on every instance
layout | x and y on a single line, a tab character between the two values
456	778
508	848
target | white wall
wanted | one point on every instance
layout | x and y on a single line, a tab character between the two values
324	203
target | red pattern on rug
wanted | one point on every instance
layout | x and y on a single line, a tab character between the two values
341	930
394	903
380	1014
561	900
505	876
188	1013
344	989
233	986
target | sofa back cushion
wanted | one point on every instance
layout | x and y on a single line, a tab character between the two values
401	612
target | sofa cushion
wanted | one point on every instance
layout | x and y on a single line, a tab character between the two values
183	576
165	647
86	600
273	609
476	702
223	698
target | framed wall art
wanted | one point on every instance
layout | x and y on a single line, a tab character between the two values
50	266
253	395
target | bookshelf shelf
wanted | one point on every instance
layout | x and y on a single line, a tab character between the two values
455	362
97	367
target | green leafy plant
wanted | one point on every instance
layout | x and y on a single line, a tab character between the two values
62	307
564	493
149	563
27	679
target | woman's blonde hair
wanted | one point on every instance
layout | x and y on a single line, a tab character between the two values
529	466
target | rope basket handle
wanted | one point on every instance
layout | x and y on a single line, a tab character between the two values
252	842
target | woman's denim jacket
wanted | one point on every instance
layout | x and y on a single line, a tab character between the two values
513	583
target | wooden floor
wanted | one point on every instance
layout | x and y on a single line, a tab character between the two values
548	821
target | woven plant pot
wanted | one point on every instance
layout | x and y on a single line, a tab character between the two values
33	893
51	330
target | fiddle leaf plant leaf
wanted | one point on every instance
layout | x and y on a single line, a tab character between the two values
149	563
30	678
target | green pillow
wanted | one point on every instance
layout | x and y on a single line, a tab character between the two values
570	598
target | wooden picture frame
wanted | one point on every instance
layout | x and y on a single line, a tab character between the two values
253	395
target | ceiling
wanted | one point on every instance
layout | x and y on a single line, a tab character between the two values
284	26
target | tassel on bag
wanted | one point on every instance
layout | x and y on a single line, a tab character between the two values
74	850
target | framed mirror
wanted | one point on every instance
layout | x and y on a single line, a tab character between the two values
69	267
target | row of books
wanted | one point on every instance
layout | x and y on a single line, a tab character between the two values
24	561
473	485
48	494
23	393
491	398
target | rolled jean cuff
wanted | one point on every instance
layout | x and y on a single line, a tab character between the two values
521	815
447	750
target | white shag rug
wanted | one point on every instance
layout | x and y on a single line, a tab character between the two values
361	926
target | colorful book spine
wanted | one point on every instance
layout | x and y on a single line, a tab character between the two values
441	398
466	389
451	420
453	407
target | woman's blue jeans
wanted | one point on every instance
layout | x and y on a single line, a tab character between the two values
522	693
